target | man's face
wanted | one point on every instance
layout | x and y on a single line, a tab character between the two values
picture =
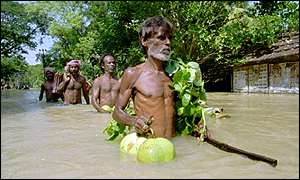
49	75
109	64
74	69
158	45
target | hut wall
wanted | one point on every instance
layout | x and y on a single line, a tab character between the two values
267	78
240	79
258	78
284	77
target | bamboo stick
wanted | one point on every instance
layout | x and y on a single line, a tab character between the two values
231	149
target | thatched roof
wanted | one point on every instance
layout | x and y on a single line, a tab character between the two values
286	49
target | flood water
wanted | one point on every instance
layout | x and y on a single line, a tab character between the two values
40	140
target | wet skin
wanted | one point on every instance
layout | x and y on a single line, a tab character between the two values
72	84
105	87
148	85
50	86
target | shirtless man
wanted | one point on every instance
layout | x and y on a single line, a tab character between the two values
105	87
148	85
72	84
50	86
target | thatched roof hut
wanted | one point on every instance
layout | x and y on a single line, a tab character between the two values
273	70
286	49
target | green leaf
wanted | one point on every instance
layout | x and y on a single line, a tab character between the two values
192	77
186	99
178	87
177	77
193	65
180	111
186	131
172	67
112	137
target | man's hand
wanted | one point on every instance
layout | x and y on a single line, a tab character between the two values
140	125
68	78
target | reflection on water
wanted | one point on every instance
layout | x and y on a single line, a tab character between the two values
40	140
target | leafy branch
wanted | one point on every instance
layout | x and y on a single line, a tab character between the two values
191	98
114	129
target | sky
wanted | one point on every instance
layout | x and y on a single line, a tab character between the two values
47	44
31	56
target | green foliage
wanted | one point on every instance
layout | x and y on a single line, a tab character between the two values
191	98
34	76
19	27
190	104
12	67
197	25
18	72
225	31
114	129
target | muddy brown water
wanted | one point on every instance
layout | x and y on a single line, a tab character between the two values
40	140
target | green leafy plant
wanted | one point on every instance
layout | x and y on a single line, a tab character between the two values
114	129
190	99
190	104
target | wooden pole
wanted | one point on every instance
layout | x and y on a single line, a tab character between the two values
231	149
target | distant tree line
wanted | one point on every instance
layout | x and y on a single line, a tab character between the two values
218	32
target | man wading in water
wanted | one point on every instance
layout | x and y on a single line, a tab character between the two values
72	84
148	85
50	86
105	87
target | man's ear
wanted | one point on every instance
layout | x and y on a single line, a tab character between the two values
143	41
102	65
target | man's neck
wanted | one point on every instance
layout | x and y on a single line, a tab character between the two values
108	74
75	75
50	80
155	64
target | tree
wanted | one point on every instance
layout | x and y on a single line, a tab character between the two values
19	27
213	33
11	66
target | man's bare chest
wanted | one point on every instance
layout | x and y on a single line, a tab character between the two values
153	85
109	85
74	84
50	86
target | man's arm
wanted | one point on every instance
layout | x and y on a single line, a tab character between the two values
62	86
96	95
58	78
119	114
42	92
85	91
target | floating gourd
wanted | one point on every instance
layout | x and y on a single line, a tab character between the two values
107	108
131	143
156	150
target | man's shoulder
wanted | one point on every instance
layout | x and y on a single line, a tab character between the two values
98	80
131	74
82	78
58	74
134	70
115	79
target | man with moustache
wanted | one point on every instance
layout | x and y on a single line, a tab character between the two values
105	87
148	85
73	83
